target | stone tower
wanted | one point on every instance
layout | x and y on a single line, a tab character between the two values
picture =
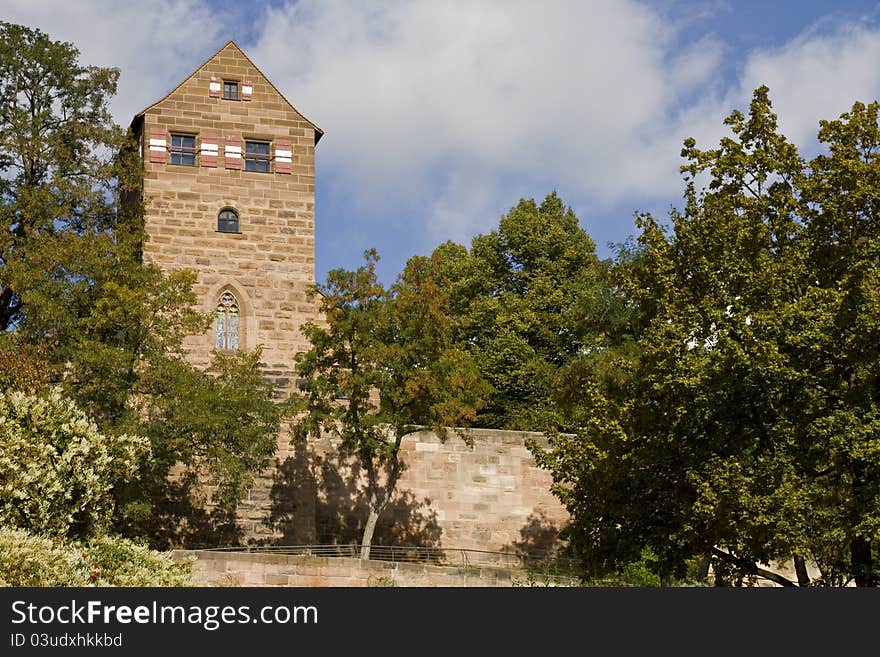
229	192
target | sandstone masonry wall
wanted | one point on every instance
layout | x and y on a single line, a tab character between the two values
486	496
253	569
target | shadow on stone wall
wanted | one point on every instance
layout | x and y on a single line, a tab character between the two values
316	500
539	539
179	521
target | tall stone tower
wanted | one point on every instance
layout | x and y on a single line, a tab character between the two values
229	192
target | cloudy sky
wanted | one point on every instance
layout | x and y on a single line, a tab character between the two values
439	116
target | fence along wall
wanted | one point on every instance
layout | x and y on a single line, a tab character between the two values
486	496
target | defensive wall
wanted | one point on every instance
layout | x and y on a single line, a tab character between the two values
486	495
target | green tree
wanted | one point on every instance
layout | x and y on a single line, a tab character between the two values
522	296
88	314
383	363
838	346
56	154
748	431
210	433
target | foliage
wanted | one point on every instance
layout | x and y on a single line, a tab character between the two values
88	315
527	299
121	562
383	364
642	572
381	581
210	432
56	145
749	424
30	560
546	575
57	470
22	366
122	359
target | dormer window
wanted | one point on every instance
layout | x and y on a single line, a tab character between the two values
230	90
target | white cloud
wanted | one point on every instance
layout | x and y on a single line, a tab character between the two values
442	104
155	45
578	93
818	75
442	115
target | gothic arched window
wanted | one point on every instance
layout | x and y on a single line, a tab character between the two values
226	322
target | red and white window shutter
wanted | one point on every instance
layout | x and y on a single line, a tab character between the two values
232	153
283	156
247	89
209	151
158	145
215	86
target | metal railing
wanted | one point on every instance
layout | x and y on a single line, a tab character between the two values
404	554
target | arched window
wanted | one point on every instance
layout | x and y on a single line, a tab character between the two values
227	221
226	322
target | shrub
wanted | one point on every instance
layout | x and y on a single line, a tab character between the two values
56	469
121	562
28	560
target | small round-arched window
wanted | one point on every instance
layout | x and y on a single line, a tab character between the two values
227	221
226	322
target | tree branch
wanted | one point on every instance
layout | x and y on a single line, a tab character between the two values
751	568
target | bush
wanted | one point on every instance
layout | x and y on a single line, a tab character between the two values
56	469
642	572
120	562
28	560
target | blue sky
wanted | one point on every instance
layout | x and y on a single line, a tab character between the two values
440	116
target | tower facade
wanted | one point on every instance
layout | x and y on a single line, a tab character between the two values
229	192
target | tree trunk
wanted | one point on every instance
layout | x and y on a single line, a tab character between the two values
860	558
800	567
369	528
379	497
703	565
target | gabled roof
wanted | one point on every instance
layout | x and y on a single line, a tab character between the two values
318	132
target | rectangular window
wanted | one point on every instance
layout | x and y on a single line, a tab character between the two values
183	150
256	156
230	90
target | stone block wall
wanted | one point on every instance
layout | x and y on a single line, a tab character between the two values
489	495
253	569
